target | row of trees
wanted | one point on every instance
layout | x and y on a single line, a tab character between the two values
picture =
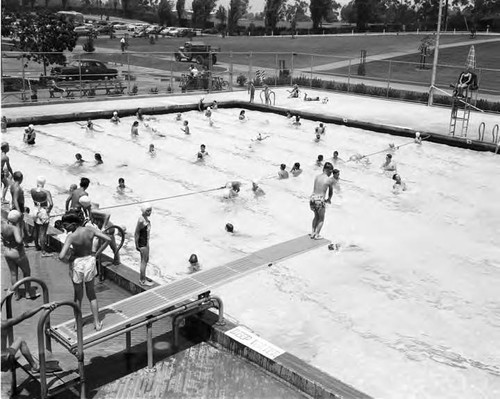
415	13
423	13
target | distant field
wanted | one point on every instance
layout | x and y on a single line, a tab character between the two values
451	63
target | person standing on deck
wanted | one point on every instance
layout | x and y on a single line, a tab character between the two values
42	200
317	202
142	234
6	171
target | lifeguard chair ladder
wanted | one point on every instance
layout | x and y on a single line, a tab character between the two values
460	111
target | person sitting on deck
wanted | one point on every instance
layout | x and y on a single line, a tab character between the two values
19	344
310	98
294	93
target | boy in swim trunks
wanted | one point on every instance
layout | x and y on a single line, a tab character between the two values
77	251
317	202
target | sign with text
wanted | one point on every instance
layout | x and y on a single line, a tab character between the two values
249	339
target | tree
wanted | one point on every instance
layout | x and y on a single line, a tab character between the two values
201	11
221	15
364	12
348	13
44	37
293	11
237	8
319	11
273	12
165	13
180	8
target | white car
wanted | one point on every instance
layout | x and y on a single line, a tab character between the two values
165	31
173	32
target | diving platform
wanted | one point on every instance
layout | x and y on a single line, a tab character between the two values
173	298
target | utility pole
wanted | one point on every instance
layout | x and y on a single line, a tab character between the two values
436	55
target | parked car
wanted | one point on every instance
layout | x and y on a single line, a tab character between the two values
105	29
84	30
86	68
174	32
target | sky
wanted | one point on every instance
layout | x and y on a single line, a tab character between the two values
257	5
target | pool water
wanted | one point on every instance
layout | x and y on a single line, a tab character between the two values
409	306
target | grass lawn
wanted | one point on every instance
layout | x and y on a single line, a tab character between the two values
451	63
265	49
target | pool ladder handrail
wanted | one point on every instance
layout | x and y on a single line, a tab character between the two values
44	340
494	132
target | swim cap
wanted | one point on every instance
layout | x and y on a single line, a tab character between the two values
209	108
417	134
85	201
14	216
193	259
146	206
31	126
255	181
40	181
115	113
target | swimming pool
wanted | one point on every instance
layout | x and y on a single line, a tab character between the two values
408	307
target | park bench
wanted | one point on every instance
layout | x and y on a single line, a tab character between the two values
86	88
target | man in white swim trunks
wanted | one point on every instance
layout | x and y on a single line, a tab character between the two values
77	250
317	202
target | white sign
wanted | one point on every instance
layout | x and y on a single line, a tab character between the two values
249	339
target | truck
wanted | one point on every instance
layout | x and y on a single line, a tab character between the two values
196	51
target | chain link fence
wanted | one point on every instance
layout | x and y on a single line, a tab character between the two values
123	73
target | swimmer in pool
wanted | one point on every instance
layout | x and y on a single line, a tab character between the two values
289	115
121	185
98	159
389	164
139	114
320	129
336	159
208	112
215	105
242	116
317	139
29	135
79	159
260	138
319	161
203	150
115	118
185	129
418	138
178	117
399	185
283	173
296	122
194	265
322	183
134	131
200	104
296	171
152	151
257	190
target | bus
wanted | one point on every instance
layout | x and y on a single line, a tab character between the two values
76	18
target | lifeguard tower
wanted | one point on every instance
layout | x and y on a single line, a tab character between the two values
464	96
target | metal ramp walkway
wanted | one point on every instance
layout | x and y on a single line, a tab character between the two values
137	309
